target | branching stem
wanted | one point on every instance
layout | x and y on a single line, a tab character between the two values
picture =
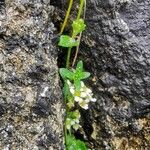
81	7
66	17
77	48
68	57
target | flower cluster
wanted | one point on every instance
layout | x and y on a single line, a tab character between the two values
82	97
73	120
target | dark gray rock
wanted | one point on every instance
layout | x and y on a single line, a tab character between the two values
116	49
31	112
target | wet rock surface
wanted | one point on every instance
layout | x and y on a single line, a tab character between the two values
116	49
31	112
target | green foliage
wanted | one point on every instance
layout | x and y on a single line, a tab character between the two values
66	90
73	119
72	78
73	144
74	114
79	66
66	73
77	75
67	41
78	26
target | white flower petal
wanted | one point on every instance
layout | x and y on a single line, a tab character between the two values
87	100
82	89
72	91
68	127
76	126
76	120
82	84
85	106
78	99
88	91
68	119
93	100
83	94
72	122
68	82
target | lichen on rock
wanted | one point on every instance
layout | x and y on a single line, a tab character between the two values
116	50
31	112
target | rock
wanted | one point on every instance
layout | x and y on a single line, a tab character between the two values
31	112
116	49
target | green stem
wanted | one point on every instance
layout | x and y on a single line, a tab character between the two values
68	57
77	50
66	17
83	3
65	127
80	9
78	17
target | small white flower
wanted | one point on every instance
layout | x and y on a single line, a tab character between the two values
83	97
78	99
76	126
82	89
93	100
68	123
68	82
68	119
88	91
68	126
77	120
82	84
83	104
72	90
87	100
72	122
83	94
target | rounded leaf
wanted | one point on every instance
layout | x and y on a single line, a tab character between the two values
67	41
65	73
79	65
78	26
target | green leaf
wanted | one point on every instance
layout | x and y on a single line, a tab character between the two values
78	26
81	145
70	143
73	144
74	114
65	73
66	90
78	75
79	66
85	75
67	41
77	84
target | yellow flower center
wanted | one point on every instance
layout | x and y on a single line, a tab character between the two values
77	93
